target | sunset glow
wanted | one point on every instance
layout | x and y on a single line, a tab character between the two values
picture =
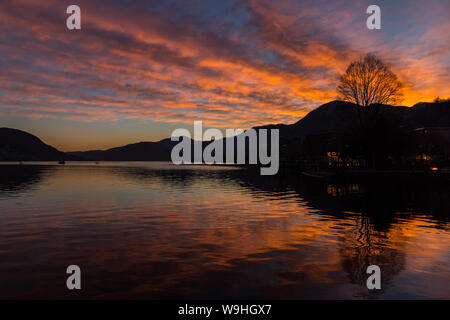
142	67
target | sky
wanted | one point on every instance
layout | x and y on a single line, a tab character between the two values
139	69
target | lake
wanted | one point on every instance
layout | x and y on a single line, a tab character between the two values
160	231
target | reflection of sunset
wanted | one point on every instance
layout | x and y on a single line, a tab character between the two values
231	64
180	229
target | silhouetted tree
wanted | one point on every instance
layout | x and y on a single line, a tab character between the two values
439	100
369	81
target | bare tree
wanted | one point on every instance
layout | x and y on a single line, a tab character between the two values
369	81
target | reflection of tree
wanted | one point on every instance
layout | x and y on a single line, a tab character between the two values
372	207
380	198
364	247
368	210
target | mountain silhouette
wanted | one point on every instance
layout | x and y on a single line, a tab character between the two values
334	116
17	145
428	114
142	151
340	116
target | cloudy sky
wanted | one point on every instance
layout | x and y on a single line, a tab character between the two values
139	69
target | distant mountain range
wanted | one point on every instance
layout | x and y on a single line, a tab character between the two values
141	151
17	145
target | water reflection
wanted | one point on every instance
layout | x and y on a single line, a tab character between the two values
159	231
15	179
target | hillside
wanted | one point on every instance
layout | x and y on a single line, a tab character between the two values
427	114
17	145
142	151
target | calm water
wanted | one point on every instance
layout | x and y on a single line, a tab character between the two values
154	230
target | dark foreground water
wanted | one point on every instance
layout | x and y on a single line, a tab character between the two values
154	230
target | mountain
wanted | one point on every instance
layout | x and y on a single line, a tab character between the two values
331	117
334	116
17	145
428	114
142	151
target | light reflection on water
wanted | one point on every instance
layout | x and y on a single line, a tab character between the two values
154	230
